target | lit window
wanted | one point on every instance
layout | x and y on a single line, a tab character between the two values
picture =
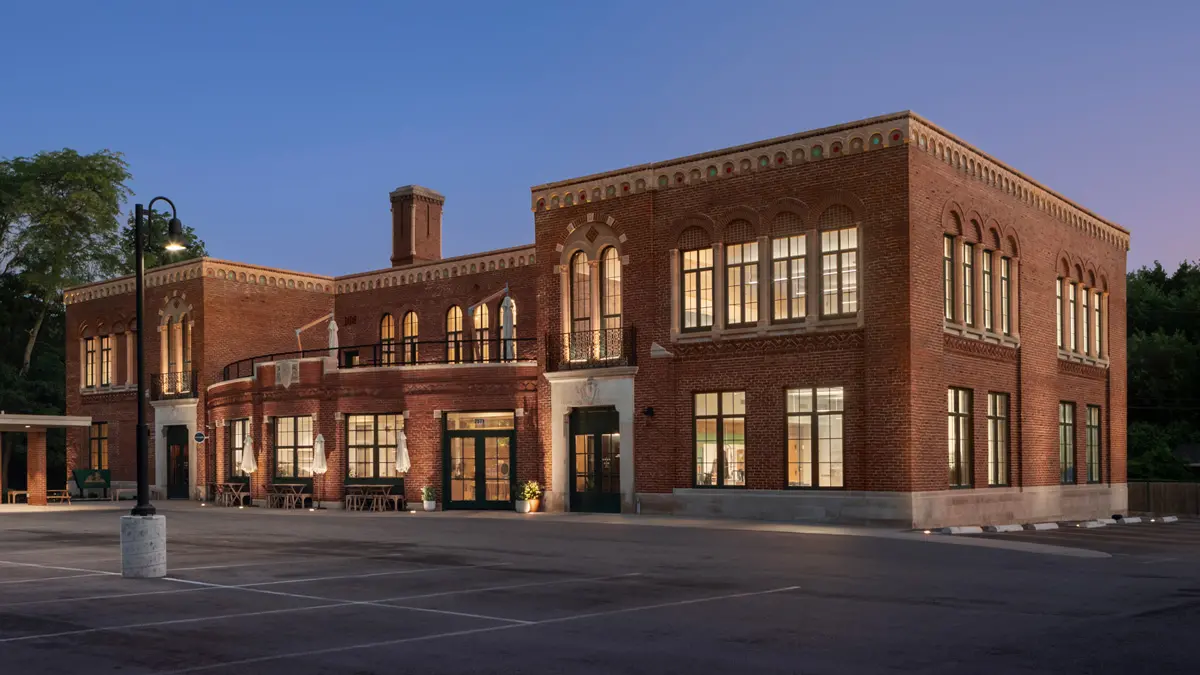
483	334
987	290
98	443
948	276
610	289
959	413
238	432
1093	444
788	291
89	362
387	340
720	433
997	419
1058	311
408	342
371	445
581	293
454	335
822	412
1066	442
968	269
839	271
698	289
105	360
1006	296
1085	343
741	275
1097	327
1073	327
293	447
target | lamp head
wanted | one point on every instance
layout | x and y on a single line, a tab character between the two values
175	241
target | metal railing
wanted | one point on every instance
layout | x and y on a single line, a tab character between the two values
166	386
591	349
401	353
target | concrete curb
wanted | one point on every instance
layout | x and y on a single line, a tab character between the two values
1012	527
1131	521
1168	519
1041	526
1107	521
963	529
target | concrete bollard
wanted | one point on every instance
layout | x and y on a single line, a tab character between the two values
143	547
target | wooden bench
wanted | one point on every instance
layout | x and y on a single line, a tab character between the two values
56	496
12	496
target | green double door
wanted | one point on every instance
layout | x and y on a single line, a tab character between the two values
480	469
595	460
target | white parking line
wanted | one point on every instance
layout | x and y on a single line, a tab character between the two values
69	576
55	567
510	586
473	631
418	570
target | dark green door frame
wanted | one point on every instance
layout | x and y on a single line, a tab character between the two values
482	453
177	462
595	460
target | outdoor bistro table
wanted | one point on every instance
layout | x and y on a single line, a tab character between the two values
288	495
372	496
231	494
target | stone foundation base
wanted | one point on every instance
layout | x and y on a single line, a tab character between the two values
943	508
143	547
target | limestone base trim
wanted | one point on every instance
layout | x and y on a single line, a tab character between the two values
942	508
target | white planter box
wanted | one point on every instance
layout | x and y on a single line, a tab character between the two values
523	506
429	505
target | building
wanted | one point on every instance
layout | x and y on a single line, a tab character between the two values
872	322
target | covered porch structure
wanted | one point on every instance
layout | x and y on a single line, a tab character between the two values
34	427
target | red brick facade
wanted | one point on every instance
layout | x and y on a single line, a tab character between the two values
897	183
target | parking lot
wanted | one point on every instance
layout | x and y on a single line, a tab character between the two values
307	593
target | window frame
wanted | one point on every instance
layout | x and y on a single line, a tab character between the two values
374	447
747	293
988	280
408	341
839	257
1006	295
387	339
814	414
89	363
98	446
719	419
968	283
1073	315
610	277
106	354
965	442
580	298
1085	313
1066	443
454	334
948	291
235	446
294	448
1099	327
1093	444
699	273
481	322
999	447
795	286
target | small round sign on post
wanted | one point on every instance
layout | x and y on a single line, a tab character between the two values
199	437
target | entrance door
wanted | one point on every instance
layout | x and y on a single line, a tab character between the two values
595	460
177	462
479	470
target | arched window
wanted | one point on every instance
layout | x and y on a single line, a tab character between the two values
387	340
185	351
454	336
581	293
610	303
482	334
172	361
409	340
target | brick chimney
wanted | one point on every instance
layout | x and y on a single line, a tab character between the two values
416	225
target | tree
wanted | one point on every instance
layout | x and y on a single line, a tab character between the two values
59	222
154	233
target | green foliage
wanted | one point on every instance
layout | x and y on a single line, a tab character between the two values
429	494
529	490
1164	367
155	236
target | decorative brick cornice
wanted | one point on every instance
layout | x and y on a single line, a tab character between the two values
203	268
902	128
814	342
979	348
1081	370
447	268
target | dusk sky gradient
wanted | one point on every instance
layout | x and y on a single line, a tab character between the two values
279	128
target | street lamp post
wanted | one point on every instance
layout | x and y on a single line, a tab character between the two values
143	533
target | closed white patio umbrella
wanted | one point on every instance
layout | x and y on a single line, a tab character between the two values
249	463
508	329
403	463
320	465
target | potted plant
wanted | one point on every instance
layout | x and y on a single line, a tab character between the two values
529	496
429	498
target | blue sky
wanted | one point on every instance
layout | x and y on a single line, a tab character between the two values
279	128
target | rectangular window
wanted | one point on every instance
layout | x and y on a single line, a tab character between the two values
788	292
238	432
997	418
959	416
371	444
1066	442
105	360
987	290
1097	326
819	409
1006	296
839	271
1093	444
1085	342
98	444
1058	311
89	362
741	275
968	269
720	432
1072	315
293	447
698	289
948	276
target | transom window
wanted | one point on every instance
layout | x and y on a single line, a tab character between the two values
839	271
581	293
98	445
997	420
820	409
371	445
238	431
105	360
409	340
293	447
454	334
387	339
1093	444
741	276
720	437
698	289
959	417
1066	442
788	292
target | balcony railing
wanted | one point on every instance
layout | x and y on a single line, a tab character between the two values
592	349
402	353
166	386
